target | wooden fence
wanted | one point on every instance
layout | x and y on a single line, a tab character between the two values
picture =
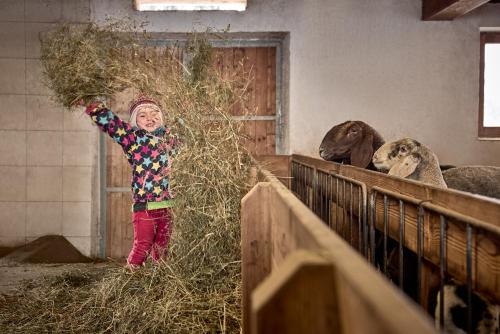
436	234
300	277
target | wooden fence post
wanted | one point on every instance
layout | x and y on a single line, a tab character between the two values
255	244
300	296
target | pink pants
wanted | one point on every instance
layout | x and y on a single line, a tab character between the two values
152	230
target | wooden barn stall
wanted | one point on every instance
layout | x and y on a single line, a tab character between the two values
417	235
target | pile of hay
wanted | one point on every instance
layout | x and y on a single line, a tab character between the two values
197	289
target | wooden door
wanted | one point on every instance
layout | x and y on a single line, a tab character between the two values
258	113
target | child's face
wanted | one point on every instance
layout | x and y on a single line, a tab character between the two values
148	119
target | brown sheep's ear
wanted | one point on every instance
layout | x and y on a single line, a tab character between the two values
362	154
406	167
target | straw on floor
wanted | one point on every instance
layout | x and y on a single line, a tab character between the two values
197	289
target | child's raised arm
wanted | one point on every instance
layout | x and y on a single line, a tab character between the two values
114	126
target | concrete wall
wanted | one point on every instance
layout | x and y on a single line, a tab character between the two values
348	59
47	156
367	60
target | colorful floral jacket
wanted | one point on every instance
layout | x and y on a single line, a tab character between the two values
149	154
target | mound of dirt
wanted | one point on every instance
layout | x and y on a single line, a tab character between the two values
47	249
6	250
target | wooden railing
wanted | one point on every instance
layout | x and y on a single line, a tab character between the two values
456	232
301	277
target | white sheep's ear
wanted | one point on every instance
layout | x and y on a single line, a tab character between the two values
406	167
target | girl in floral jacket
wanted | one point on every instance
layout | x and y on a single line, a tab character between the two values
149	147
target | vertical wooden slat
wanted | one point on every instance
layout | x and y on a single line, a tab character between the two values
239	70
261	81
115	229
249	67
271	137
127	230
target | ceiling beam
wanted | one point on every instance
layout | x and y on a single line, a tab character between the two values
434	10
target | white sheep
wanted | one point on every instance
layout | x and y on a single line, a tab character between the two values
485	315
482	180
408	158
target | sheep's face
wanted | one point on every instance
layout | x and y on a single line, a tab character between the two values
337	143
396	152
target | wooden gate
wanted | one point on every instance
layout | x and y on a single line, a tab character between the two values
258	113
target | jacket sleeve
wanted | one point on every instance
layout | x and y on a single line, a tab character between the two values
173	142
119	130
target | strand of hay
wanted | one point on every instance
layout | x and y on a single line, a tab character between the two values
197	289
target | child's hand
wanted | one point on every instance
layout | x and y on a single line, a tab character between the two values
80	103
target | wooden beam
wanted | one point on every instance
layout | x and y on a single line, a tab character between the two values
298	297
442	10
256	250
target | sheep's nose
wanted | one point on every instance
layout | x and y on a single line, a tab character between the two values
375	157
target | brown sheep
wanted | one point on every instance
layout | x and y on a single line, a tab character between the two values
352	143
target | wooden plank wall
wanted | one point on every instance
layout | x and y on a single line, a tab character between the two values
275	224
259	65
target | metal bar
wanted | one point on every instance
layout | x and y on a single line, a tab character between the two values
252	118
401	241
365	220
330	197
230	43
302	184
469	278
420	221
372	227
324	196
443	211
103	198
315	190
320	191
336	204
350	215
442	269
118	190
343	210
281	133
361	245
386	218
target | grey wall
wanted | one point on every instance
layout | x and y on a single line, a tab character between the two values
349	59
374	61
47	155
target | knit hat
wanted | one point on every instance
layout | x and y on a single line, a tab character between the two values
141	102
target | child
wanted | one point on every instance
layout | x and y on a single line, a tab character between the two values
148	152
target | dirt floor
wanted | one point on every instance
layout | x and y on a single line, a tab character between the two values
17	267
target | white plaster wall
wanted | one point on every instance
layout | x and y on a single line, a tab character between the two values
368	60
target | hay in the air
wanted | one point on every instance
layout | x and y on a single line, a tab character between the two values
197	289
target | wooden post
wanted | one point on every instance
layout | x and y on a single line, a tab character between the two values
255	244
299	297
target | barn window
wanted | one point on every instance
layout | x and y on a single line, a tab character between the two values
489	105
